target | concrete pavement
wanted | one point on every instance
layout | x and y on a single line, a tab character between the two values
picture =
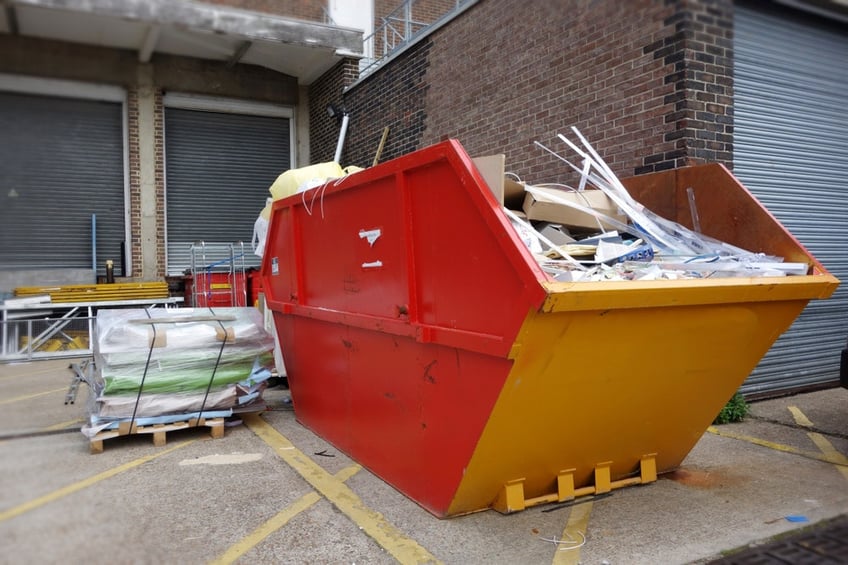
270	491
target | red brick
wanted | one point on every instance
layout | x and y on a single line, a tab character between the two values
504	74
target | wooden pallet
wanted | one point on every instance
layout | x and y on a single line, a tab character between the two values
159	431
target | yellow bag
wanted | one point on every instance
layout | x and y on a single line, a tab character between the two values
288	182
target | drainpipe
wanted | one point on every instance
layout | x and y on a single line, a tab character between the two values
345	119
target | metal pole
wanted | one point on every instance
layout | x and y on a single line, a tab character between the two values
407	28
94	245
345	119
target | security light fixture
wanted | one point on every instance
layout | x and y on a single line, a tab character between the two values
335	111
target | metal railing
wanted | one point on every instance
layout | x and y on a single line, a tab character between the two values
399	28
51	336
49	330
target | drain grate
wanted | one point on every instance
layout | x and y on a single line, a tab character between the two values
823	543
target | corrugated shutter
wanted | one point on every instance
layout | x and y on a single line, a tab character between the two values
62	162
219	167
790	150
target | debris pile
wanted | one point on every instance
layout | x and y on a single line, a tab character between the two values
598	232
172	365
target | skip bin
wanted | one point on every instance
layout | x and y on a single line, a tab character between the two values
422	338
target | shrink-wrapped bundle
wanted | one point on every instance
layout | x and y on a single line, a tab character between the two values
155	366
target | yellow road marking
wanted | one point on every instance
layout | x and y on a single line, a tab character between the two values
776	446
799	416
85	483
63	425
833	455
824	445
28	396
401	547
281	519
41	371
573	536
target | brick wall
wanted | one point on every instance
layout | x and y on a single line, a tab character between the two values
700	51
431	10
396	101
134	247
323	129
392	12
580	65
310	10
426	11
159	155
648	82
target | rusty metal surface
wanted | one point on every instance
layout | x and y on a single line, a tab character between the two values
727	210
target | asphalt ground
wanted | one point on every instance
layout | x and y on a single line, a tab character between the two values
270	491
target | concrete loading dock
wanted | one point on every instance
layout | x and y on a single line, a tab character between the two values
280	494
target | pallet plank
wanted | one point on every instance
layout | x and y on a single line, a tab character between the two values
157	431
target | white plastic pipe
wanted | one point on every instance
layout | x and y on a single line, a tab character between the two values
342	134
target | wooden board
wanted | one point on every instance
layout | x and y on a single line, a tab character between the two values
97	292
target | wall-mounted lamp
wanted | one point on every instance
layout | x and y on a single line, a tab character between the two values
342	117
335	111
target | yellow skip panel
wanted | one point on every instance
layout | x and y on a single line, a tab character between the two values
604	388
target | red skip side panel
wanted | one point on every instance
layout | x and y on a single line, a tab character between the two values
397	295
410	413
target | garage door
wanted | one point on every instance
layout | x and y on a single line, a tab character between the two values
219	166
61	182
791	80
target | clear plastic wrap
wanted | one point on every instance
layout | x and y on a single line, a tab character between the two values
172	363
675	251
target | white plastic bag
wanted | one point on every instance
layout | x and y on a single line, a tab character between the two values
260	229
260	232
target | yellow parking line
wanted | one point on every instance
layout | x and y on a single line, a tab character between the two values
573	536
63	425
85	483
41	371
281	519
831	453
404	549
28	396
776	446
799	417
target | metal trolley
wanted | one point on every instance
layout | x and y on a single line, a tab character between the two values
218	274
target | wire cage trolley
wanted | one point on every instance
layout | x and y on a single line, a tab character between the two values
217	275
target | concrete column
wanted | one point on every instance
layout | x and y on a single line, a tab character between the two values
147	173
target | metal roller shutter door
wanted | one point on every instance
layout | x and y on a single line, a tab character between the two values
63	161
790	84
219	167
